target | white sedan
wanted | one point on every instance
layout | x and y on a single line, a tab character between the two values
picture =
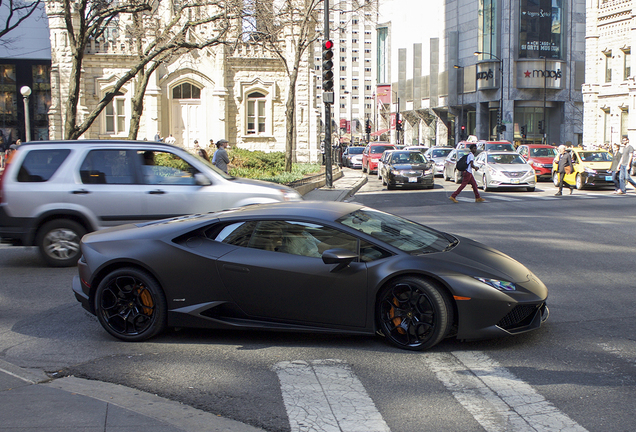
504	170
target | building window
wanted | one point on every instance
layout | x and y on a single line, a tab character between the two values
487	22
115	115
186	91
624	122
607	127
627	69
383	55
256	113
608	67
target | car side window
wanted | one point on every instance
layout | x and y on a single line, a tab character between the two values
40	165
107	167
163	168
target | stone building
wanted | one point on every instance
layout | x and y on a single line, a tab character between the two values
234	91
609	90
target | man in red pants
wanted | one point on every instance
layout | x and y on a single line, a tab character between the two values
467	177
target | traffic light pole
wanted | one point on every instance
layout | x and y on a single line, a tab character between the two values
328	170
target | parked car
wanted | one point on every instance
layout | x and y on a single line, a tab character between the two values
437	155
352	157
371	155
407	168
385	156
495	146
55	192
504	170
306	266
590	169
450	171
540	156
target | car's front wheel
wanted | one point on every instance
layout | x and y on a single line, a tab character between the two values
580	184
130	305
59	242
413	313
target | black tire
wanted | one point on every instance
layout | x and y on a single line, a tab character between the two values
59	242
457	177
530	189
363	169
555	179
130	305
486	188
390	186
579	182
413	313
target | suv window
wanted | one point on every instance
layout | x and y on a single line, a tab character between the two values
108	167
166	168
40	165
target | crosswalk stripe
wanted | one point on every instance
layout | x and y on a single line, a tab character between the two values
326	396
501	197
496	398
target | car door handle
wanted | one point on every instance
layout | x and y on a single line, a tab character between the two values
80	192
231	267
157	192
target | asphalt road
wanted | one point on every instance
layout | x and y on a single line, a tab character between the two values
579	367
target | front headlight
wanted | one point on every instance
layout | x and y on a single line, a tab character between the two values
498	284
291	195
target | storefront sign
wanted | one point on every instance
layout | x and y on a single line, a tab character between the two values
487	75
537	74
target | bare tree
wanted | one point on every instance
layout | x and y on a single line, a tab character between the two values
17	12
87	20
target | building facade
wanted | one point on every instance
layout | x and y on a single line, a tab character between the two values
609	90
490	68
233	91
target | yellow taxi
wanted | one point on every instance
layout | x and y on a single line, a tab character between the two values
591	169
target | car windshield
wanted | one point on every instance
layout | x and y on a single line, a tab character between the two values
505	159
356	150
595	156
500	147
380	149
395	231
440	152
412	157
543	152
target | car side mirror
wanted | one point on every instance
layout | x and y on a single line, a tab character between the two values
342	257
202	180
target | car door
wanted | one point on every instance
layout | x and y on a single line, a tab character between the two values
107	187
279	275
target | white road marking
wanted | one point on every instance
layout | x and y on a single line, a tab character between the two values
326	396
501	197
497	399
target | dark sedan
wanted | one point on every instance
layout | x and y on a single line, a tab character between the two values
305	266
407	168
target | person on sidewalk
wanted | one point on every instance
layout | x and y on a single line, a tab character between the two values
467	177
564	159
625	166
220	158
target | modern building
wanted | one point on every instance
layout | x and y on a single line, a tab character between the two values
510	70
609	88
25	64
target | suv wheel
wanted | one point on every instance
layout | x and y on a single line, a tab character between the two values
59	242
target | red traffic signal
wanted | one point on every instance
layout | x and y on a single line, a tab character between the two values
327	45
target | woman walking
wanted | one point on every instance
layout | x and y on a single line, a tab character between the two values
564	159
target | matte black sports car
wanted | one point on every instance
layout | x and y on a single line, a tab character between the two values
305	266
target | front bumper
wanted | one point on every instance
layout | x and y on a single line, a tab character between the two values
598	179
411	180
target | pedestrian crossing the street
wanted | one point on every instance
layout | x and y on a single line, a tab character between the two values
578	195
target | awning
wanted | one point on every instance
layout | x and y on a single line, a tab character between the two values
379	132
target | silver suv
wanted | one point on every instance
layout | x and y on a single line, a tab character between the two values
54	192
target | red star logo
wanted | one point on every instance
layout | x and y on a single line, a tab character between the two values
528	73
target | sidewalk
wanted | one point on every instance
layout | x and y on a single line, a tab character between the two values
32	401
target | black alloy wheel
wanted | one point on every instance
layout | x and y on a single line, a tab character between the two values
130	305
414	314
59	242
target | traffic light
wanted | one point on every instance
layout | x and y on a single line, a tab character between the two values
523	132
501	128
398	122
327	65
540	126
368	126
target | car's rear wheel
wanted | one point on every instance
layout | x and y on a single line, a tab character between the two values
555	179
59	242
130	305
413	313
458	177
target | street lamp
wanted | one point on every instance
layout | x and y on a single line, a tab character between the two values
501	74
26	92
461	116
545	76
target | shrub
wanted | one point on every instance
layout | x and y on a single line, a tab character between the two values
266	166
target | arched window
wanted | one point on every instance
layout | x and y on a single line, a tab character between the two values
186	91
256	116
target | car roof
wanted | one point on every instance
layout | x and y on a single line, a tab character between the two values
318	210
498	152
538	146
100	143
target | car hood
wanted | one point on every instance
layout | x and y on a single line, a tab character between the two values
510	167
543	160
597	165
261	183
420	166
484	259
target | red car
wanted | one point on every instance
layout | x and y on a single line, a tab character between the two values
540	156
371	155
